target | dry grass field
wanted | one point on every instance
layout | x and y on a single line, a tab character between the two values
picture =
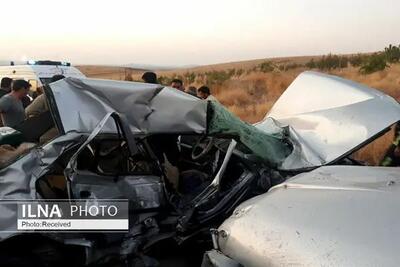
108	72
250	93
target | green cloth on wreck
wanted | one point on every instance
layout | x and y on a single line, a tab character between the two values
271	147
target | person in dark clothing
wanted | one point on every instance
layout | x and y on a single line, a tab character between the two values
150	77
177	84
5	86
205	93
26	101
192	91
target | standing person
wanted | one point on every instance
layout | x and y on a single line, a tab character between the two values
205	93
178	84
150	77
26	100
39	114
38	92
192	91
11	108
5	86
39	104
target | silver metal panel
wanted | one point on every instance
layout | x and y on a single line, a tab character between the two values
213	258
149	108
332	216
144	192
19	178
329	116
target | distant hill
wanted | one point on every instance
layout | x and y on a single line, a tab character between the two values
109	72
119	72
157	67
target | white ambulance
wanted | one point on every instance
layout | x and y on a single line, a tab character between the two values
38	73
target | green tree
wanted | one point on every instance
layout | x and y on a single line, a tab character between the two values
266	66
292	66
357	60
375	62
311	64
231	72
392	53
331	61
239	72
216	77
164	80
190	77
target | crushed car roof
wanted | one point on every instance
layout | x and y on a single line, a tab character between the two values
155	109
149	108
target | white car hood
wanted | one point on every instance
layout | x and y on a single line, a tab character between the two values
332	216
329	117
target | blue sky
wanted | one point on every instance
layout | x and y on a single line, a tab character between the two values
178	32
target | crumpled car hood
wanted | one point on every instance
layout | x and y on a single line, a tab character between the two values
332	216
329	117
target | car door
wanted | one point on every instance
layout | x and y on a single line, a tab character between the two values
144	190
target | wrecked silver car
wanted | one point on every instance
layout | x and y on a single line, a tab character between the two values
332	215
183	163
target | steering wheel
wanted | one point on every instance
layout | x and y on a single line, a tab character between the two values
204	145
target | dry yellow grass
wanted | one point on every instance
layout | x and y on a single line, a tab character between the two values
252	94
108	72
